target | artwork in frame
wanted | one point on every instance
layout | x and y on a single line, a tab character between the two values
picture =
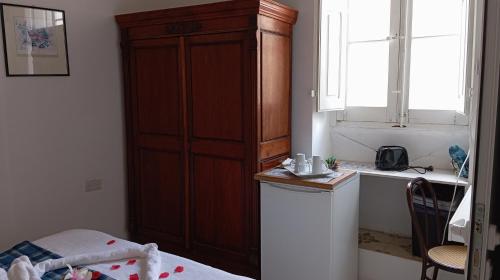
34	41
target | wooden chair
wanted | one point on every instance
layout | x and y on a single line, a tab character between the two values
446	257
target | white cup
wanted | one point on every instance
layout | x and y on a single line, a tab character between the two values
300	163
317	165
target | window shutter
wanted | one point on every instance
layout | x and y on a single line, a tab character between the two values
462	102
331	58
468	61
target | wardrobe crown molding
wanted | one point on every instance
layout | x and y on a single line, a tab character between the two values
232	8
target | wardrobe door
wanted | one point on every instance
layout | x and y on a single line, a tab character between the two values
219	102
159	142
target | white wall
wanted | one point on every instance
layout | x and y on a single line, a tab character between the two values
383	205
302	77
322	144
426	145
58	132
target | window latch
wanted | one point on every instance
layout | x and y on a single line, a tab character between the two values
470	92
394	37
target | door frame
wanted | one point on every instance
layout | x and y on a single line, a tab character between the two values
487	105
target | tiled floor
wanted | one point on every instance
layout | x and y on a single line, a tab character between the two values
386	243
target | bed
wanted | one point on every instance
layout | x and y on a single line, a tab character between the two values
78	242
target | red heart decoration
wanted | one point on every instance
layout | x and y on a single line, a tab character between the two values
111	242
133	277
164	275
131	262
179	269
96	275
115	267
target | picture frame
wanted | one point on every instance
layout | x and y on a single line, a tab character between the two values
34	41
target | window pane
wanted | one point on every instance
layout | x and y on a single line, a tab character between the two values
369	19
367	74
434	73
436	17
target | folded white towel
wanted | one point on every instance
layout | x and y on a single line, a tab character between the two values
22	269
152	266
3	274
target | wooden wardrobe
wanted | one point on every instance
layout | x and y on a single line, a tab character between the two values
207	105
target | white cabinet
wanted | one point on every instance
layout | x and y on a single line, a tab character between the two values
309	232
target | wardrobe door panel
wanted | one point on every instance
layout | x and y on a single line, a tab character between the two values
219	203
158	88
161	193
275	50
216	80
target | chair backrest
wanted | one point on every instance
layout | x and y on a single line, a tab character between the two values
421	190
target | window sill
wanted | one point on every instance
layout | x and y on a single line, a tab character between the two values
439	176
395	126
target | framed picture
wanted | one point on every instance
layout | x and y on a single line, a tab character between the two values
34	41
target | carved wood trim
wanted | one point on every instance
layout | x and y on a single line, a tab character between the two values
183	28
233	8
278	11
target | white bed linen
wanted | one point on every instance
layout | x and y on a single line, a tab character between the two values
76	242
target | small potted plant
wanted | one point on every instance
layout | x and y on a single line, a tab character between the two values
331	162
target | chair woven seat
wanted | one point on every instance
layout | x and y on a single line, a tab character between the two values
451	256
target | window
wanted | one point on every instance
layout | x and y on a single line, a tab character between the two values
405	61
58	18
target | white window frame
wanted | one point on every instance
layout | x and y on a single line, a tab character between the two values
397	110
382	114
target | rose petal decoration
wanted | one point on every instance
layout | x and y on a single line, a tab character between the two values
111	242
179	269
115	267
164	275
131	262
96	275
134	276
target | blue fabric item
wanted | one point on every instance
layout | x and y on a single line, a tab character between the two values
458	156
36	255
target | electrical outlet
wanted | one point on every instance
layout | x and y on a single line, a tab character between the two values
93	185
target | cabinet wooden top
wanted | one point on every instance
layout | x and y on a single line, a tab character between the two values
284	177
267	8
